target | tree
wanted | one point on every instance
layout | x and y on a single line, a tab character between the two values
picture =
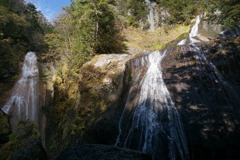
96	23
181	11
86	28
19	33
137	10
227	12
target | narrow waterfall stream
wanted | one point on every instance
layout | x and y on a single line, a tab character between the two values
193	33
215	74
152	16
24	101
155	126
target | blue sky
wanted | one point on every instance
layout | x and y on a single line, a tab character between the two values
50	8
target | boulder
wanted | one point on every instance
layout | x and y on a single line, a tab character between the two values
101	87
24	144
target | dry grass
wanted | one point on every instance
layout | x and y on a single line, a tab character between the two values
153	40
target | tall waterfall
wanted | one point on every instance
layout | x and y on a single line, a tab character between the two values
153	125
24	101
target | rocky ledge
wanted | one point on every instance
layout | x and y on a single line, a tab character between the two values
101	152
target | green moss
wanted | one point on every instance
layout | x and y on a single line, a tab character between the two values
174	42
159	47
4	125
12	136
18	139
79	99
182	36
14	140
53	147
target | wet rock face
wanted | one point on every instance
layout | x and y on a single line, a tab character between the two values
225	55
209	108
101	152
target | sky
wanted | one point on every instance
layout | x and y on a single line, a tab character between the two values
50	8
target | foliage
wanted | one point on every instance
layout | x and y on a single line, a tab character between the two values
20	31
137	10
96	23
77	103
181	11
84	29
226	12
4	3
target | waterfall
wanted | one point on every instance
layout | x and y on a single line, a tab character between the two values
194	30
193	33
154	123
24	101
215	74
153	17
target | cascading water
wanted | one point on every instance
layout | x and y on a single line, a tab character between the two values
154	125
153	16
24	101
193	33
215	74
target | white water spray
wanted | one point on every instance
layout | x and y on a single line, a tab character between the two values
193	33
153	17
215	74
155	127
24	101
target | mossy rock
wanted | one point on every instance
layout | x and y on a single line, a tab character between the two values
5	128
24	144
174	42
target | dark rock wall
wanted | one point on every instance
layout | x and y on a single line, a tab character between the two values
209	109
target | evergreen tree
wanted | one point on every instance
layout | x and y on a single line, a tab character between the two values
181	11
137	10
86	28
96	23
20	32
227	12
